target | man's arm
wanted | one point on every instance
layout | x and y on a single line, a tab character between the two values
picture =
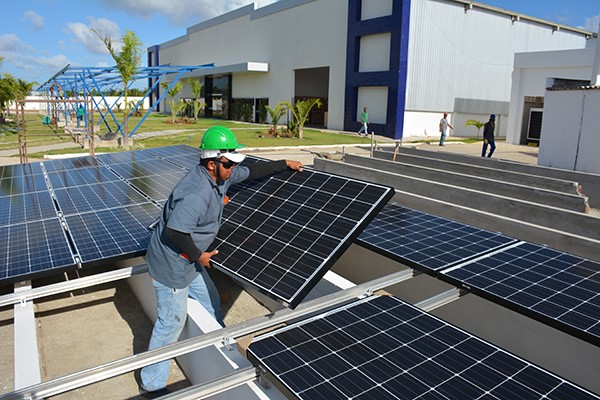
262	169
185	246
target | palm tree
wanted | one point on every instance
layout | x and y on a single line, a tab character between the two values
476	124
197	91
300	112
172	92
276	114
128	59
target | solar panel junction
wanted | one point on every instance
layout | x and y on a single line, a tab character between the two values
383	348
556	288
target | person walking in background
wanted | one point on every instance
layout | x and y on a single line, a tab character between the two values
444	125
488	136
364	119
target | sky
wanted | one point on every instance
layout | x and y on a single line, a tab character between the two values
40	37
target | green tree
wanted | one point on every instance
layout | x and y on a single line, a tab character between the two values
476	124
175	89
128	58
276	113
300	112
197	91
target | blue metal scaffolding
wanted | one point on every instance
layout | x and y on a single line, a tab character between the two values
81	82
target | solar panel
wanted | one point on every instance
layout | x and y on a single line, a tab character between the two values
39	247
158	187
557	288
281	234
84	198
384	348
26	207
112	233
425	241
81	176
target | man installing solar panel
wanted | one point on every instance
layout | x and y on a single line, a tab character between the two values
177	255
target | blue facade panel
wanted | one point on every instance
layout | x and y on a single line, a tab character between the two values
397	25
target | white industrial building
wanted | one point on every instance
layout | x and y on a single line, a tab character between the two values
407	61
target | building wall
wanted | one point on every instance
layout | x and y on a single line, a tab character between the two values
457	54
570	138
531	70
288	35
450	54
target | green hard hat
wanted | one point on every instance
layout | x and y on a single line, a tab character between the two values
219	140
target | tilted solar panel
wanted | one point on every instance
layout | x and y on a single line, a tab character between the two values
384	348
281	234
557	288
425	241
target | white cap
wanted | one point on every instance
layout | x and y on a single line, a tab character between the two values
230	155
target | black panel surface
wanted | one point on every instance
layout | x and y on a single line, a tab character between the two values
281	234
556	288
425	241
384	348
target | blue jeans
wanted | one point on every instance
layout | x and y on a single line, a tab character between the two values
485	145
443	137
172	313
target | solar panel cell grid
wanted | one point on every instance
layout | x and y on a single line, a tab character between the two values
97	197
280	234
115	232
81	176
34	247
558	288
427	241
382	347
26	207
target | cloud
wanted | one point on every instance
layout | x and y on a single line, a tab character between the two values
179	11
11	46
83	33
592	23
37	21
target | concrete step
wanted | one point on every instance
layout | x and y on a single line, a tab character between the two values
589	182
550	217
567	201
557	185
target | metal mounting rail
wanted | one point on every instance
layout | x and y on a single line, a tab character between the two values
78	283
440	299
132	363
215	386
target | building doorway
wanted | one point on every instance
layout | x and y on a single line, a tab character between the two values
313	83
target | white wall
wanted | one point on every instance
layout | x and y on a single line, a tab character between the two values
529	79
570	137
287	35
375	99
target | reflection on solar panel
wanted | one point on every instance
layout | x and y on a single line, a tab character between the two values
426	241
281	234
556	288
383	348
158	187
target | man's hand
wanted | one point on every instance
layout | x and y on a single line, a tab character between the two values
204	258
485	141
294	165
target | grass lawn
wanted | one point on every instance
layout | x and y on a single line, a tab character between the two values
251	135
